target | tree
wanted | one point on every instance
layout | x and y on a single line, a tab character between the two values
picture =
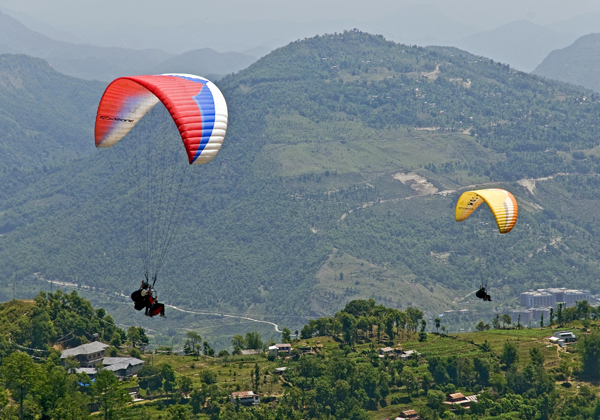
409	380
111	395
21	376
72	406
509	354
438	323
238	342
507	320
537	358
191	343
178	412
137	335
116	340
185	385
496	322
542	320
197	400
435	398
168	375
286	335
589	349
149	378
253	340
551	317
256	377
480	326
348	322
560	314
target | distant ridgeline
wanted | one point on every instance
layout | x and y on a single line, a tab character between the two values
344	157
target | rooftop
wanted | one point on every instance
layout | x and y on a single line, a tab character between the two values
107	361
243	394
283	346
250	352
88	348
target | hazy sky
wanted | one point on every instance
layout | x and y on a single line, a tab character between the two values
479	14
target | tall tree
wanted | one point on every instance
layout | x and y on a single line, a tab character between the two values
253	340
193	339
22	377
111	395
168	374
589	349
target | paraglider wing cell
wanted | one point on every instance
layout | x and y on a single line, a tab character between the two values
196	105
501	202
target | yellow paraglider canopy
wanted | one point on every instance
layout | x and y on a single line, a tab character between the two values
501	202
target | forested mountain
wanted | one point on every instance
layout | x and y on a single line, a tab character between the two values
45	116
343	161
106	63
577	64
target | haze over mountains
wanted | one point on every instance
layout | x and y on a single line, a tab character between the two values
522	43
578	63
106	63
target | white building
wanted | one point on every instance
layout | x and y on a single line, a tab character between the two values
552	296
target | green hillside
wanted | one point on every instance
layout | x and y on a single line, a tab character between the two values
45	116
366	362
344	158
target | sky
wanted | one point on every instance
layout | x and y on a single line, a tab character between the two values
479	14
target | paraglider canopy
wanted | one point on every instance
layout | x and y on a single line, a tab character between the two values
196	105
162	180
501	202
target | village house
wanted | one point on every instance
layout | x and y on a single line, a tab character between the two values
87	354
123	366
247	398
305	348
91	372
386	352
567	336
250	352
405	355
284	349
410	414
460	399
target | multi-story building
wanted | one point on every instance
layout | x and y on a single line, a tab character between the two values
537	298
552	296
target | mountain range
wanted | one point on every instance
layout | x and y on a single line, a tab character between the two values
107	63
344	158
522	44
576	64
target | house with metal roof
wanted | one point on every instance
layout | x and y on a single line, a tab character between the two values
87	354
248	398
123	366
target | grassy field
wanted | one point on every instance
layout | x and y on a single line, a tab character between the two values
233	373
344	277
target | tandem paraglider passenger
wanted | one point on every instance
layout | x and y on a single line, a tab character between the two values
140	297
482	294
155	308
